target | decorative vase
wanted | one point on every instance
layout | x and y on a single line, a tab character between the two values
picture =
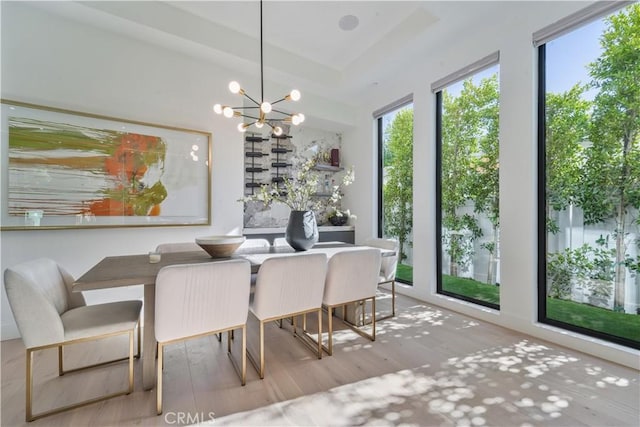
338	220
302	230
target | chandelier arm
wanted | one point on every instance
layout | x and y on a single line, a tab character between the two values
261	60
245	108
252	100
249	117
281	112
279	100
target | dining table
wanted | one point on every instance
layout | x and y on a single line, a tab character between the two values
130	270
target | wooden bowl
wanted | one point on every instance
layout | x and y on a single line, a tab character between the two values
220	246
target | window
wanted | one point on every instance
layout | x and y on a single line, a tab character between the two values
467	173
395	182
589	178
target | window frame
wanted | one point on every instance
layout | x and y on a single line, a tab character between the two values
437	87
378	115
542	223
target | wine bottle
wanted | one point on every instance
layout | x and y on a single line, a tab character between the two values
253	169
255	139
280	164
280	150
255	154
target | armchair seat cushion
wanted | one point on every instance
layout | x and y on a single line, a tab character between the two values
100	319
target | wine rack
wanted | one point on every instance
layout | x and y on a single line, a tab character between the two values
266	165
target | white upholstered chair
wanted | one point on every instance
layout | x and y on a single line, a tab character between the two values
50	315
288	286
280	242
255	243
194	300
164	248
388	266
352	276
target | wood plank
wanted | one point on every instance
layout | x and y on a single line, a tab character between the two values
428	366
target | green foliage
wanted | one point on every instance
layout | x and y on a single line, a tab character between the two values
404	273
560	271
470	167
566	128
611	173
593	160
471	288
595	318
398	179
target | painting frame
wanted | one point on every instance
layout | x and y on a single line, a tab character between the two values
65	169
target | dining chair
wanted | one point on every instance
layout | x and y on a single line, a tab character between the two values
280	242
195	300
352	276
178	247
49	315
287	287
388	266
255	243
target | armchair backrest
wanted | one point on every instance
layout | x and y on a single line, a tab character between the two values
39	291
352	276
289	284
388	264
193	299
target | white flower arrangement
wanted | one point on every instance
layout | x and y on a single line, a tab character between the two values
299	193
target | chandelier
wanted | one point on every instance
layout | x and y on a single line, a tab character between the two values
262	113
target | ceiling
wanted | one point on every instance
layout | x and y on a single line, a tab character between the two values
304	46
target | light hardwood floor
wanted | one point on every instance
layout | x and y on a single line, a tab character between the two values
428	367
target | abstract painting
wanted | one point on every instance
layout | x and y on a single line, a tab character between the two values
70	169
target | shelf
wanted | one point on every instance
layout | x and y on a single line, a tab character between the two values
328	168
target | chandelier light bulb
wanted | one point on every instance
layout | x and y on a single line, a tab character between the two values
295	95
261	113
234	87
265	107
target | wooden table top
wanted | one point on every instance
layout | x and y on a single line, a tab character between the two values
128	270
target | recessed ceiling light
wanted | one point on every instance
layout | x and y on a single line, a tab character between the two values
348	22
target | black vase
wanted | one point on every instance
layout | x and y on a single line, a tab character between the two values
302	230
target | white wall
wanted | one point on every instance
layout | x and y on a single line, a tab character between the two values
53	61
518	172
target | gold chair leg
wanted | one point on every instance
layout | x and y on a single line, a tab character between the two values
261	350
393	298
393	302
60	361
62	372
244	355
159	380
373	317
139	338
131	361
29	386
330	344
30	416
319	333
